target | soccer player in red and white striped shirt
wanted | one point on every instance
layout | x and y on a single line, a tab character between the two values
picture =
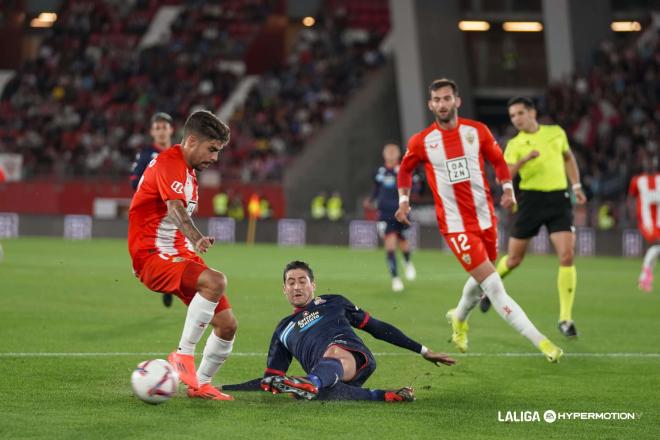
453	150
163	242
645	188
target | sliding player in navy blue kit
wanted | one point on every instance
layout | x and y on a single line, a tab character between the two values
319	334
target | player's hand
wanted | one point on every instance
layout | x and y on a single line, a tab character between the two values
203	244
508	199
580	198
401	214
532	155
438	358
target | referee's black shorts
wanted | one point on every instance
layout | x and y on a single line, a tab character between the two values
537	208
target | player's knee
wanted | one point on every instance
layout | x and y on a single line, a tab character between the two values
514	261
214	285
566	258
334	352
228	328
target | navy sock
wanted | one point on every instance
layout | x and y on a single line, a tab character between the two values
342	391
326	373
377	394
406	256
391	263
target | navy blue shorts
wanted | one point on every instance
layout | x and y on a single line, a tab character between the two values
392	226
365	364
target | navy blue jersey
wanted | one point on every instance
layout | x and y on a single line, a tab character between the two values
142	160
386	193
307	333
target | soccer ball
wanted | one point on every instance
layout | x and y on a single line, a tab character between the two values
154	381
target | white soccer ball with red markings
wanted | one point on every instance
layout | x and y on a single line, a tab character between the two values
154	381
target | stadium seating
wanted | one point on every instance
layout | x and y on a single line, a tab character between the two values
610	114
82	106
326	64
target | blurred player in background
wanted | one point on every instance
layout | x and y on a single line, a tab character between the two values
163	242
385	197
543	158
453	150
645	188
162	128
319	334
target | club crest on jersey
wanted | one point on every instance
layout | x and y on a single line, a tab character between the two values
177	187
469	137
178	259
457	170
318	301
466	259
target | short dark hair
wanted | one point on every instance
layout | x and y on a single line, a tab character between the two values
527	102
298	265
443	82
162	117
206	124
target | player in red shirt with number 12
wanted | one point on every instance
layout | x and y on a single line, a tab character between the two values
452	150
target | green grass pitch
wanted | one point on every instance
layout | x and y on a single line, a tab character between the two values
78	305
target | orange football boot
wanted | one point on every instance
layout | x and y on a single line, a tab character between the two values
184	365
208	391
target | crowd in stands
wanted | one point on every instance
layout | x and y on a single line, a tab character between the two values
82	106
291	103
612	114
71	109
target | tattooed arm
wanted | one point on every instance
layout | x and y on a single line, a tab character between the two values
177	212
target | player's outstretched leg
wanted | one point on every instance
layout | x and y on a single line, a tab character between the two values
512	313
646	276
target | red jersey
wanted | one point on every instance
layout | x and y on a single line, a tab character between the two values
150	230
454	165
646	188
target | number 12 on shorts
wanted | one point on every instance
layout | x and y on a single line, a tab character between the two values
460	243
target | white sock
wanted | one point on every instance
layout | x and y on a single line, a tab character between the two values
216	351
651	256
509	310
200	313
471	294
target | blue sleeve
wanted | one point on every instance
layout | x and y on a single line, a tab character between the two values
388	333
279	358
355	315
140	164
